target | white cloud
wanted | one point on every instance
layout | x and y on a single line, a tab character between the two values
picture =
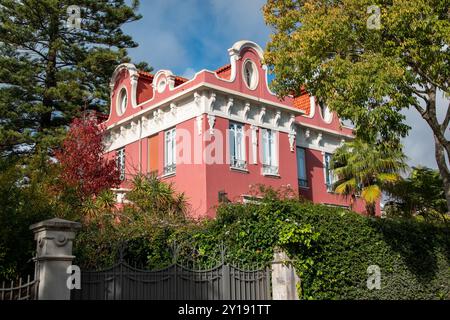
195	34
188	73
419	145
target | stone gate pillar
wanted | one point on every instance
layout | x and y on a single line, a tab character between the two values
284	278
53	256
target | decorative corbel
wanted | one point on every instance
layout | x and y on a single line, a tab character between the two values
197	98
133	126
246	110
307	134
122	131
173	109
262	113
291	122
211	121
144	120
319	139
291	137
229	106
157	115
212	100
276	119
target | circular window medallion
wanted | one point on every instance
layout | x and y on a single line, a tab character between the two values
122	102
161	85
250	74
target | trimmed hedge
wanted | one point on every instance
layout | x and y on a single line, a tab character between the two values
332	248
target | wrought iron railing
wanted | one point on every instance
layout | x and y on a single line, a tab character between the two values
303	183
18	290
268	169
238	164
171	168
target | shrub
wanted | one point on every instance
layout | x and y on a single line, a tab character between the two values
332	248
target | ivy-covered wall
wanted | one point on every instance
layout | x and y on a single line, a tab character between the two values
332	249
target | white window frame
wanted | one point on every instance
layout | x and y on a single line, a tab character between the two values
122	101
120	160
269	150
302	180
328	173
249	65
170	151
237	146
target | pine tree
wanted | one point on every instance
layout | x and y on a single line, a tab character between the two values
52	69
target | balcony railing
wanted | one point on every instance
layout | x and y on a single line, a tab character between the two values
268	169
170	168
303	183
238	164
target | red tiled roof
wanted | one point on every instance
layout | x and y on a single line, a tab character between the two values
224	72
145	74
178	80
302	102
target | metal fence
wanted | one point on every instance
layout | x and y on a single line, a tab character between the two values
176	282
19	290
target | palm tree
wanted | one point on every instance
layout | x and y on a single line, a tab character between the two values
366	169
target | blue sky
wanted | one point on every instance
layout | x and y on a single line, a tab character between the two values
186	36
190	35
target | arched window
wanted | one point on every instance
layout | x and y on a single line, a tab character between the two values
122	102
250	74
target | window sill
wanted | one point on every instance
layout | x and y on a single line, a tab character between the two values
271	175
239	170
168	175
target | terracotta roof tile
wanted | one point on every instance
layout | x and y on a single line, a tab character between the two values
302	102
224	72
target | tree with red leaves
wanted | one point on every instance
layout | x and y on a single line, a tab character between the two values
83	165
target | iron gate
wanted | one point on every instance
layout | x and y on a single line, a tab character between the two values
176	282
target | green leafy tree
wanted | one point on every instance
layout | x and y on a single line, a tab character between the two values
420	193
367	60
366	170
51	68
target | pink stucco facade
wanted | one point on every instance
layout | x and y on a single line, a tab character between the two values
201	112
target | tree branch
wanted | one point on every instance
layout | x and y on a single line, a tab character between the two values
446	121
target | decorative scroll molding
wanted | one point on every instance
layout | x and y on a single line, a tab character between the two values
173	109
276	119
229	106
212	100
197	98
262	113
307	134
246	110
319	139
291	123
211	121
291	137
157	115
